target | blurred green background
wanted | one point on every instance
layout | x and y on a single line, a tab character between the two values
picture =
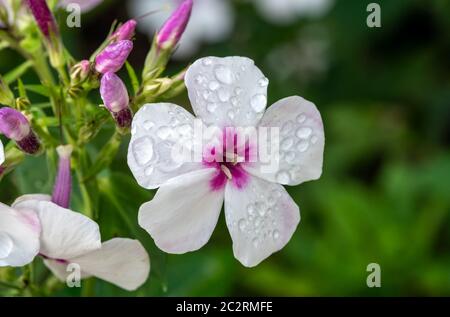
384	94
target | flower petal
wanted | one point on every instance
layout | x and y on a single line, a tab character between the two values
31	197
161	144
184	212
301	143
120	261
261	219
59	269
229	91
19	236
2	153
65	233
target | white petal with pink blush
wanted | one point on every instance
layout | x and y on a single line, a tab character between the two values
69	237
229	93
19	236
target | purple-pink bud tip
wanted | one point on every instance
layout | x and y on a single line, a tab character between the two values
173	28
113	92
112	58
13	124
125	31
43	16
63	182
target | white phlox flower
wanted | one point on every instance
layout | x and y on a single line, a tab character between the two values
70	237
261	217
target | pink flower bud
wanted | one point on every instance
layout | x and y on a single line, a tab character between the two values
63	182
173	28
113	92
80	72
15	126
43	16
125	31
112	58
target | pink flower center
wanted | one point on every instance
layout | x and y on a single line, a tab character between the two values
228	157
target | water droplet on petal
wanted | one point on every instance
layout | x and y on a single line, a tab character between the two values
250	209
224	95
301	118
263	82
163	132
302	146
304	132
224	74
143	150
234	101
287	144
276	235
283	177
231	114
199	79
184	130
314	139
148	124
214	85
255	242
258	102
148	171
242	224
207	61
211	107
238	91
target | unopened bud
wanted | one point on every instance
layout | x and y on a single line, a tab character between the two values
125	31
112	58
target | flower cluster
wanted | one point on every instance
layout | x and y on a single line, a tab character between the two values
223	168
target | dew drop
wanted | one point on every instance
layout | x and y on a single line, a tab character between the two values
258	102
242	224
224	74
207	61
143	150
290	157
211	107
255	242
301	118
302	146
199	79
250	209
314	139
231	114
214	85
224	95
238	91
287	127
234	101
184	130
287	144
304	132
163	132
283	177
276	235
148	124
263	82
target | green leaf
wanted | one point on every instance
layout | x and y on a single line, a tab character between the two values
17	72
133	77
38	89
21	88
